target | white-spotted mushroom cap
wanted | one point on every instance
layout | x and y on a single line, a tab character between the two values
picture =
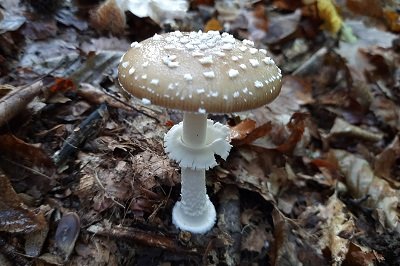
200	72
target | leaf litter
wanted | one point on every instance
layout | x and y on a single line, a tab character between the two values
313	177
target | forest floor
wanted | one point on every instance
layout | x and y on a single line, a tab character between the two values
312	179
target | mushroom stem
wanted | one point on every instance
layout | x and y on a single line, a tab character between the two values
194	129
194	212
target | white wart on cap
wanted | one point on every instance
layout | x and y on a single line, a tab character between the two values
200	72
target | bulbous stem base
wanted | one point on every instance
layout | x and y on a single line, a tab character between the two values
194	212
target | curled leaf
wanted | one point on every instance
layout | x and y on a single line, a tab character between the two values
362	182
14	216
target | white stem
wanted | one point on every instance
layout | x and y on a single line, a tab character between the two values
194	212
193	191
194	129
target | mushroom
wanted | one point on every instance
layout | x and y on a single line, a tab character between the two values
198	73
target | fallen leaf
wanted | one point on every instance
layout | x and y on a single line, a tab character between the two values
245	132
362	182
362	256
342	129
392	18
386	160
289	248
153	170
282	26
296	127
15	217
337	222
241	130
371	8
213	24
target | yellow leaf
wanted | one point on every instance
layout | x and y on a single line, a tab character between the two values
328	13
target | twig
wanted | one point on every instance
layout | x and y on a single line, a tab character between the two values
86	130
141	237
131	106
13	103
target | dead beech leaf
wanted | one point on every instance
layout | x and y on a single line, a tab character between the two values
386	111
290	248
362	182
371	8
342	128
213	24
241	130
362	256
249	172
256	239
13	147
153	170
287	4
95	96
296	127
295	93
336	223
14	216
385	161
392	18
282	26
246	132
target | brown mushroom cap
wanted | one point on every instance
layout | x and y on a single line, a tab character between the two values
200	72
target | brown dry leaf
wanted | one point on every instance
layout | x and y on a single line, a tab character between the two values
362	256
98	251
289	248
14	216
257	239
213	24
255	236
296	127
260	17
371	8
336	223
195	3
282	26
362	182
392	18
246	132
288	4
116	186
153	170
27	163
95	96
248	170
386	111
241	130
109	17
40	29
342	128
386	160
295	93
